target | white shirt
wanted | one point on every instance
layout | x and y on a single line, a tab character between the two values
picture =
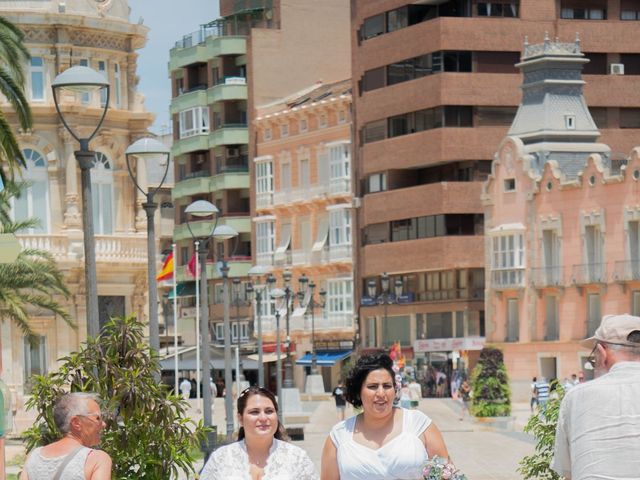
598	433
401	458
39	467
285	462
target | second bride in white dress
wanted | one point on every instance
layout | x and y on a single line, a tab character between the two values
261	452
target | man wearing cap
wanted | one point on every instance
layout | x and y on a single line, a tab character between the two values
598	433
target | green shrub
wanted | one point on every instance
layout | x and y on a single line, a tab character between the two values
543	428
148	434
490	386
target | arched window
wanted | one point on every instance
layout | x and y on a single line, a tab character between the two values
34	200
102	194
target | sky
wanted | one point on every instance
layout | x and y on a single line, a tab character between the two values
168	21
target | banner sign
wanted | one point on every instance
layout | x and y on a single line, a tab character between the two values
449	344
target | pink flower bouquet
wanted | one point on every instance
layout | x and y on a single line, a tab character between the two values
438	468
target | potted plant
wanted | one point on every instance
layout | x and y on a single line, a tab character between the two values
490	392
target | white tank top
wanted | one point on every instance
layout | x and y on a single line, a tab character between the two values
40	467
402	458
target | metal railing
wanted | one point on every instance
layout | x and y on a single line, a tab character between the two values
626	270
264	200
547	276
507	278
589	273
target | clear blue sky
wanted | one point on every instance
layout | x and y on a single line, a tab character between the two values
168	21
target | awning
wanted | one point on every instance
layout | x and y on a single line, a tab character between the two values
285	239
323	233
267	357
326	358
187	360
184	289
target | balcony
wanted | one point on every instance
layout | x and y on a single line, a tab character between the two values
229	90
299	194
187	100
238	164
229	134
282	259
507	279
547	277
201	46
265	259
238	267
625	271
192	186
340	253
190	144
340	186
589	273
300	257
203	228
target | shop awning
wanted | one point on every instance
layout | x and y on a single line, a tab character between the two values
184	289
187	360
266	357
326	358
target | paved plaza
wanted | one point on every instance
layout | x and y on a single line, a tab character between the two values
481	454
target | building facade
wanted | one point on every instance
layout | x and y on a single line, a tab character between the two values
304	210
435	90
60	35
561	224
219	74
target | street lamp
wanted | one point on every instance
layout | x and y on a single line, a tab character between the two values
147	149
278	295
238	301
84	80
288	363
257	289
203	209
309	301
386	297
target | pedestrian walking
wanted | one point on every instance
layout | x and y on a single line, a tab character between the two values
598	432
185	388
464	397
78	417
262	440
542	390
341	402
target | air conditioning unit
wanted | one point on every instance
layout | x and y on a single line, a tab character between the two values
616	69
233	152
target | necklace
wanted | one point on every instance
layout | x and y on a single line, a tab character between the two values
258	463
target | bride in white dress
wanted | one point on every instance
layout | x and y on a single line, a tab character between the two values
261	452
383	442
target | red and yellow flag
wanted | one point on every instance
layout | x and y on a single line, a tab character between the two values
167	269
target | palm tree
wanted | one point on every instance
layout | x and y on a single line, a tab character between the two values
31	282
13	55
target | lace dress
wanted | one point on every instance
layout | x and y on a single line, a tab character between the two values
400	458
39	467
285	462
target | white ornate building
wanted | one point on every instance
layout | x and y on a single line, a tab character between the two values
60	34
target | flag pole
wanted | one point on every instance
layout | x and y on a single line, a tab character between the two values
175	318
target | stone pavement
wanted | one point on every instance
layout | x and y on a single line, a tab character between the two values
482	455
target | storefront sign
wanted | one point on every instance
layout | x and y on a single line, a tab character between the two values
449	344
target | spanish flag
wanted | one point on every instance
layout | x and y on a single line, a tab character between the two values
167	269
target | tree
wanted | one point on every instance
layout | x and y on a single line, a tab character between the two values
490	385
543	428
13	55
31	282
148	434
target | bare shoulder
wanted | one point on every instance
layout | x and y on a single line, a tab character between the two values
98	465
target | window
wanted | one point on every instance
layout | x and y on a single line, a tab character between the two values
305	173
374	131
593	253
85	97
102	68
630	15
497	9
342	116
377	182
551	318
513	320
303	125
267	134
322	122
339	167
36	77
264	177
102	195
220	331
630	118
34	200
507	264
117	90
285	176
340	227
265	237
373	26
439	325
633	235
397	19
594	315
194	121
396	329
583	13
35	360
551	257
370	334
284	130
339	296
635	302
509	184
244	332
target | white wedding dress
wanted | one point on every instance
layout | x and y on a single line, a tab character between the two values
285	462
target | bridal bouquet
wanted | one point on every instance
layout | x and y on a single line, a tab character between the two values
438	468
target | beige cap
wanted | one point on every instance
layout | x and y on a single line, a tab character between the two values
614	329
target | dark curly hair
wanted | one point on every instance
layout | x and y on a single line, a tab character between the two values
243	398
365	365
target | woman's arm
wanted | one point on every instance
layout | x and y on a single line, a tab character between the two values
329	465
434	443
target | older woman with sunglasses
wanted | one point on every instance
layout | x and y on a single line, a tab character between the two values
261	452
